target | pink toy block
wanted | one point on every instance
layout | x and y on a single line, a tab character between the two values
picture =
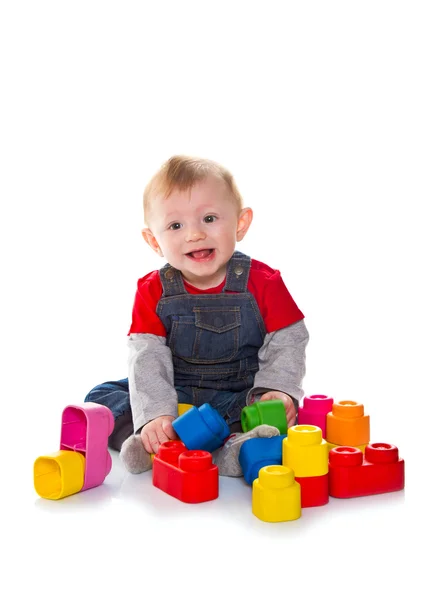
314	411
86	429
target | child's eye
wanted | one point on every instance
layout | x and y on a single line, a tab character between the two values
210	219
175	226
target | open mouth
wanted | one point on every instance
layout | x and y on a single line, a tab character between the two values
202	254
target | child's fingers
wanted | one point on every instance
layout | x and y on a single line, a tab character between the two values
154	442
145	438
291	417
168	430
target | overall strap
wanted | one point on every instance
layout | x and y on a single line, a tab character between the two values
237	273
171	279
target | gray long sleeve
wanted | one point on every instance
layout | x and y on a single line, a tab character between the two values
282	363
151	386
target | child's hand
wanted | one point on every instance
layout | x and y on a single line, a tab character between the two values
156	432
290	409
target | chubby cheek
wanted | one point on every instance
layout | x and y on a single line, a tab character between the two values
169	245
226	236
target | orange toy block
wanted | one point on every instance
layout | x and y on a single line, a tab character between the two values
347	425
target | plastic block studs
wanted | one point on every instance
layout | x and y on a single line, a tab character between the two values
351	474
188	475
201	428
276	495
271	412
314	411
259	452
83	461
347	425
306	452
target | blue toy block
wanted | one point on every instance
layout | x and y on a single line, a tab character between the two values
260	452
201	428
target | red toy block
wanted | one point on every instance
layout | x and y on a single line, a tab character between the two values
378	471
314	490
188	475
314	411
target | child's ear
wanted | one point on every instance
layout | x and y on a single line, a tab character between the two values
243	223
151	241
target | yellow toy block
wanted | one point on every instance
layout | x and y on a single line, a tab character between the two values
362	447
347	425
182	408
276	495
305	451
59	474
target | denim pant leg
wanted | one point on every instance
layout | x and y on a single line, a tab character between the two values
115	395
228	404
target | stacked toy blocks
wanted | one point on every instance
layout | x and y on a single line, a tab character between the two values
294	475
351	474
328	454
306	452
184	469
300	456
188	475
83	460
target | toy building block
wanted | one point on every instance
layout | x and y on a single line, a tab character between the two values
314	411
351	474
182	408
315	490
347	425
85	432
201	428
305	451
362	447
59	474
271	412
259	452
276	495
188	475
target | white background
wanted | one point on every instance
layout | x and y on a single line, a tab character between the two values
328	115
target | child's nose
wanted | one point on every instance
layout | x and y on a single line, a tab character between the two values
195	235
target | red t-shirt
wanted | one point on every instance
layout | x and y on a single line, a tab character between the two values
275	303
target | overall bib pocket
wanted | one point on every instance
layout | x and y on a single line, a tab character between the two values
210	336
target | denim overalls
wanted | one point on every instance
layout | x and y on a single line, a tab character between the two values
214	340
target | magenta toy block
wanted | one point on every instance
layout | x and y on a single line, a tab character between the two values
314	411
86	429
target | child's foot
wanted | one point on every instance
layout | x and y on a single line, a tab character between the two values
227	457
134	456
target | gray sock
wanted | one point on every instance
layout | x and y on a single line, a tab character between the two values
134	456
227	457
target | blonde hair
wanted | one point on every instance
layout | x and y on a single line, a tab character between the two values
182	172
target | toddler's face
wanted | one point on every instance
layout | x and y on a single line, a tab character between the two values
196	230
